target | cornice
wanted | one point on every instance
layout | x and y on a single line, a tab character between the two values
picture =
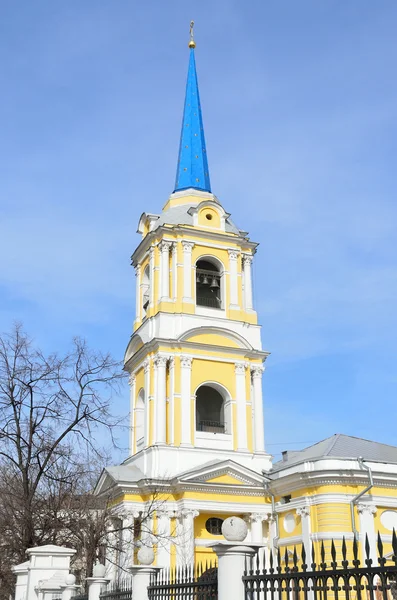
177	347
147	241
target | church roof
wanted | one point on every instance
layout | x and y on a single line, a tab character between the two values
192	170
340	446
179	215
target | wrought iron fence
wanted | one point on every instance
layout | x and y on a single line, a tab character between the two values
185	583
118	590
344	580
80	596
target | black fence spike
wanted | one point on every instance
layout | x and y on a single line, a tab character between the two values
303	556
344	550
313	558
286	557
356	562
278	559
394	546
333	554
322	552
257	563
295	558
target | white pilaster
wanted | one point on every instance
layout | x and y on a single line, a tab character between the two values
186	402
160	406
239	369
188	517
138	293
132	382
148	399
233	257
187	271
257	372
366	513
304	513
247	262
164	538
174	270
165	269
151	267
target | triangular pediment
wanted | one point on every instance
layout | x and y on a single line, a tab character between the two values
225	473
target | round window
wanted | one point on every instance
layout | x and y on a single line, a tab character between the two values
208	216
214	526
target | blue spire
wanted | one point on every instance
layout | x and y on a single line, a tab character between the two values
192	170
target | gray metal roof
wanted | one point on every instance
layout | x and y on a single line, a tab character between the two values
340	446
125	473
179	215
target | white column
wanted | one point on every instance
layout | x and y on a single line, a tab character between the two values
151	268
187	271
256	520
161	421
188	517
127	540
233	256
164	538
174	270
247	261
186	402
112	547
257	372
132	382
366	513
239	369
172	399
165	269
148	400
138	293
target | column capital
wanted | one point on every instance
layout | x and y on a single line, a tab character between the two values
247	259
239	368
186	362
132	379
187	246
369	509
257	370
186	513
256	517
171	361
146	365
160	360
152	250
303	511
233	253
165	246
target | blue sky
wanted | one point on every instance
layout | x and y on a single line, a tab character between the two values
299	102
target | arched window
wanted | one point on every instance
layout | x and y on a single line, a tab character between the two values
146	288
210	410
140	420
208	283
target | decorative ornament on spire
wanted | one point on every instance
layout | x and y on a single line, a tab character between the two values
192	170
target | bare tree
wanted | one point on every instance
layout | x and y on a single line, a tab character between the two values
53	408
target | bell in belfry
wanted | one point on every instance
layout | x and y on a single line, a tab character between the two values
214	283
205	280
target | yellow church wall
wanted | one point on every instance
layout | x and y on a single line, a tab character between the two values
332	517
225	479
213	338
220	372
298	525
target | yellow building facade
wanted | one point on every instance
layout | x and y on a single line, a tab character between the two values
195	362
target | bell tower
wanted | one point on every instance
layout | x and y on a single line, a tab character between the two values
195	357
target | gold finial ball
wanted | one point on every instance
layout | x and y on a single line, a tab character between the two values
192	44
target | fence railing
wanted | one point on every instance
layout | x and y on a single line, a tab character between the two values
118	590
185	583
346	579
211	426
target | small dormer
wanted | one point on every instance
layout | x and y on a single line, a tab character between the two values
147	223
209	215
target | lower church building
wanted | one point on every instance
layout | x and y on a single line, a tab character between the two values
195	362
